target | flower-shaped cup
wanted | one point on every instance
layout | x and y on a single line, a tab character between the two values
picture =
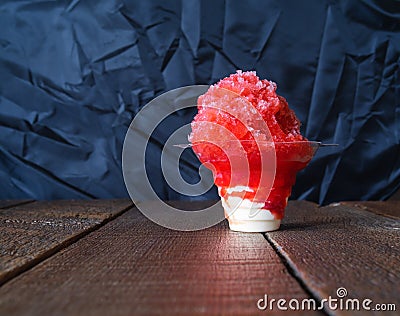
255	179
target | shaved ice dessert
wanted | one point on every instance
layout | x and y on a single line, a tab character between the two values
250	138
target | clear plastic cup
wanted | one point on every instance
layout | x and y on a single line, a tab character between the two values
255	179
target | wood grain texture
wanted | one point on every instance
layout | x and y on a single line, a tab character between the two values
388	208
342	246
32	232
131	266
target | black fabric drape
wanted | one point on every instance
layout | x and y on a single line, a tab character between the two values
73	74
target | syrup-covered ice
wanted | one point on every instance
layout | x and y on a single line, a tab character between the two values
242	110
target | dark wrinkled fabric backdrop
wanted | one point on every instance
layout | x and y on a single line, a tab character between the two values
73	74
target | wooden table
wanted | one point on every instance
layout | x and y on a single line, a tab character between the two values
103	257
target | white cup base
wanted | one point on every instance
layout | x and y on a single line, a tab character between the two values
243	219
254	226
245	215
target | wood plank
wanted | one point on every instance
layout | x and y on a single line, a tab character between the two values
32	232
11	203
131	266
388	208
342	246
